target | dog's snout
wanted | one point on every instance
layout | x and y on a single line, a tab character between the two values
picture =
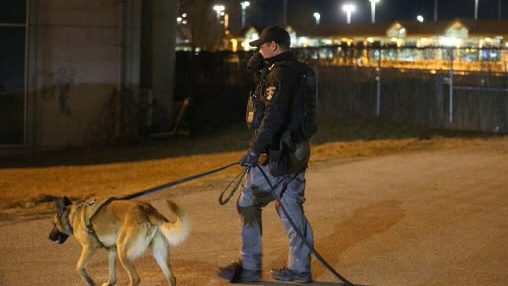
58	236
53	235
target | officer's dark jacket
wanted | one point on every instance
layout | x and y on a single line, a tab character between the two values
279	89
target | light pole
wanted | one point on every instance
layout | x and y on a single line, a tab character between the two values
499	9
348	8
244	5
284	13
419	18
219	9
373	10
317	16
435	10
476	9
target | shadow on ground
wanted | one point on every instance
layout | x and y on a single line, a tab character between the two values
235	137
316	283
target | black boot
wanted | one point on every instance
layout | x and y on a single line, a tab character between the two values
286	274
235	273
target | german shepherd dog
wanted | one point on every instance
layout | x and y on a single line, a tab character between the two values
125	229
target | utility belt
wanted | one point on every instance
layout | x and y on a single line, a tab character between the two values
290	157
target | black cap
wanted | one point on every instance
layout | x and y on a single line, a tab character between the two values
272	33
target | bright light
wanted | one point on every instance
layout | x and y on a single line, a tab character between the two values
245	4
219	8
184	22
419	18
348	8
317	16
178	19
303	42
184	15
450	42
234	45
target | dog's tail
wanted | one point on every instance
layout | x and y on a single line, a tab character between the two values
176	232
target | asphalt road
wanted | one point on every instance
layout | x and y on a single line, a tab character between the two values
424	218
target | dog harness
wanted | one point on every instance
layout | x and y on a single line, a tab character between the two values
91	208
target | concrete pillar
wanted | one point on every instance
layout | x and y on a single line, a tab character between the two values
83	71
163	52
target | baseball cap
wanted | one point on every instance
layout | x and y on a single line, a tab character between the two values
272	33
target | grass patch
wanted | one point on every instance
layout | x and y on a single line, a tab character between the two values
35	180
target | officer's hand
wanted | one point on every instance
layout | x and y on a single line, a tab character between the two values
250	159
256	62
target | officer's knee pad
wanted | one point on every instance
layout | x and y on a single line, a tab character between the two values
249	215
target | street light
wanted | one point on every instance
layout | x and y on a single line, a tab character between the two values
244	5
219	9
317	16
373	10
476	9
435	10
419	18
348	8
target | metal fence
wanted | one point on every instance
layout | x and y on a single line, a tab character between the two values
456	88
462	88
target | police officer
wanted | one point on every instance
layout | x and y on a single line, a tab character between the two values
276	135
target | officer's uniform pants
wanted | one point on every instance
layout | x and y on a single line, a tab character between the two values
256	194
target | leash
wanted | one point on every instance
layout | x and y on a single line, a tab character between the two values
235	183
177	182
299	232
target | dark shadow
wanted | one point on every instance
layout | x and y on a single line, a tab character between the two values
362	225
320	283
235	137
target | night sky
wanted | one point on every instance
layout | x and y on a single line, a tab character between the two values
263	12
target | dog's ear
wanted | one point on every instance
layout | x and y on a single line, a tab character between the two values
59	207
61	203
66	201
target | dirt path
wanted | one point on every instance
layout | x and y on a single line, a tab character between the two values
421	218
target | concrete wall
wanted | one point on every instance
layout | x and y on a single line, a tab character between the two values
84	65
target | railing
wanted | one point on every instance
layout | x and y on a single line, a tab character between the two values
462	88
465	59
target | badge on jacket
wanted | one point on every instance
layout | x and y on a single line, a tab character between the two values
270	93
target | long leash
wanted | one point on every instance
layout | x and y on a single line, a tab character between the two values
299	232
232	187
238	180
177	182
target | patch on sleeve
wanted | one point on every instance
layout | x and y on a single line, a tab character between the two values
270	92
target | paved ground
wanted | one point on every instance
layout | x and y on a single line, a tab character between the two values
429	218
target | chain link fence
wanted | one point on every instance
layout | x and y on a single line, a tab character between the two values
454	88
459	88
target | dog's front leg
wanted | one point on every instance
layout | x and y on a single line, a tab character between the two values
86	253
112	254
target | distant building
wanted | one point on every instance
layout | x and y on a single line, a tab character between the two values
239	40
184	38
321	35
455	33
